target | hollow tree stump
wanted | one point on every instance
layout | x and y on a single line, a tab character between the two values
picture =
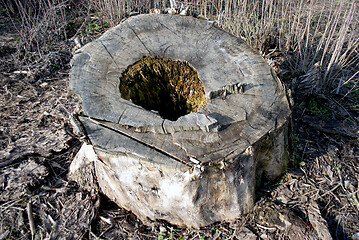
185	119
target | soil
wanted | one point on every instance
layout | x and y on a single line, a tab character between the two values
316	198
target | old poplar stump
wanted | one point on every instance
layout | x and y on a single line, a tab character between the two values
185	119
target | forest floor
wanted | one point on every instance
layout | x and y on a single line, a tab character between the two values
316	198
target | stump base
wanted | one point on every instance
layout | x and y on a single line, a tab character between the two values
192	169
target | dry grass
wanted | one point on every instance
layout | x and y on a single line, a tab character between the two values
114	11
39	23
305	33
299	37
308	36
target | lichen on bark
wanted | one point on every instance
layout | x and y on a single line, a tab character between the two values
171	87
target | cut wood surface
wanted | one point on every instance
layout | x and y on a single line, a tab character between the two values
204	166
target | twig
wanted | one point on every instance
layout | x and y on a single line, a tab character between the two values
305	148
93	235
341	106
352	87
330	191
31	219
9	204
173	4
266	228
339	85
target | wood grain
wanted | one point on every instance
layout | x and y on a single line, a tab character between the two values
239	137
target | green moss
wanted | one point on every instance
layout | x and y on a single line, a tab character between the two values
316	106
285	158
97	25
171	87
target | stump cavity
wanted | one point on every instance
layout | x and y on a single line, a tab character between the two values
171	87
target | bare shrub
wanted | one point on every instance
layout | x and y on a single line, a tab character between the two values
40	23
114	11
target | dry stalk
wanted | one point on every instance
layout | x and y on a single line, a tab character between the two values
304	32
40	23
266	228
31	219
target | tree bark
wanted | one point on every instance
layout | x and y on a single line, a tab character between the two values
205	166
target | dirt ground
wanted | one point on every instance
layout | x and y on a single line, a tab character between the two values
316	198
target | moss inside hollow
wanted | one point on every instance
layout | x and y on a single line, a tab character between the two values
171	87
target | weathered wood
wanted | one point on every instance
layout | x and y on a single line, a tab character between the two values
203	167
82	169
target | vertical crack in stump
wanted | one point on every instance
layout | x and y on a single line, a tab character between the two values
205	166
171	87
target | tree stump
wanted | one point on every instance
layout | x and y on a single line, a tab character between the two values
185	119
